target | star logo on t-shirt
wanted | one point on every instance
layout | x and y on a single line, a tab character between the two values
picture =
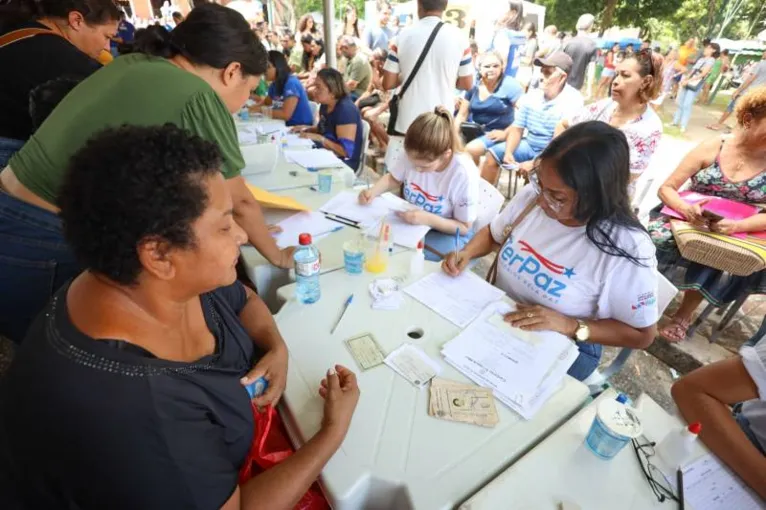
569	272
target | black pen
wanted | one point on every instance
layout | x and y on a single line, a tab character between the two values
342	219
680	483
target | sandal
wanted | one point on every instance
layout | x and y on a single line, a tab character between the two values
676	331
715	127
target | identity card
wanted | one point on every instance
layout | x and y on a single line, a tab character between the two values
366	351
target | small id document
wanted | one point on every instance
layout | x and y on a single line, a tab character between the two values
365	351
413	364
463	403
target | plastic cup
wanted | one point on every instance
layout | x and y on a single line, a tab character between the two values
266	110
353	257
613	427
324	181
376	257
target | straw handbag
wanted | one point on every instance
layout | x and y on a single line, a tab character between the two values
740	257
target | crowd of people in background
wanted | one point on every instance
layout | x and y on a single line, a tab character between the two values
447	115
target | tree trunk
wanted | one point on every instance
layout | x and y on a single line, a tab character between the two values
711	10
606	20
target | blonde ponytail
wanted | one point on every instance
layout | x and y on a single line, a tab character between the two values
432	134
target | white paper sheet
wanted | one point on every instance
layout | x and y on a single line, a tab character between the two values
709	485
313	223
295	141
459	300
315	158
346	204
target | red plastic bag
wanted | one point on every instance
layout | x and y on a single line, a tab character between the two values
270	447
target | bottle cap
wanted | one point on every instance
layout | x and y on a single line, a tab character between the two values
304	239
695	428
421	244
622	398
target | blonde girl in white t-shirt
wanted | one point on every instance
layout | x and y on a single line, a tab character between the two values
436	176
578	262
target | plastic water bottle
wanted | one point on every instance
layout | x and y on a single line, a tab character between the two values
677	446
307	267
417	260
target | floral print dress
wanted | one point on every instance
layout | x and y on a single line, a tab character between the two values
717	287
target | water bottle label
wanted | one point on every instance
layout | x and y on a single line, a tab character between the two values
307	268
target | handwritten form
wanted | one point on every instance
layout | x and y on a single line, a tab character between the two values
709	485
458	299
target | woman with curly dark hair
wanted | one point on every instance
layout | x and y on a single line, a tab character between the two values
142	361
194	77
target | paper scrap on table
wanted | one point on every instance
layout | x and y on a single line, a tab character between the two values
385	294
458	299
308	222
710	485
413	364
271	200
315	158
365	351
463	403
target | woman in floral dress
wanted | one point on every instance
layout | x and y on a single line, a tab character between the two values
638	80
730	167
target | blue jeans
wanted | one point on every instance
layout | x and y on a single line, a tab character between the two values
587	361
744	424
443	243
684	112
34	262
8	147
524	152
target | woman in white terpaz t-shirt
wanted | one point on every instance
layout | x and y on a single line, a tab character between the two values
578	262
436	176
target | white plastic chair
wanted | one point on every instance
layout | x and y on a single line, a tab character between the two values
365	146
666	291
314	111
490	202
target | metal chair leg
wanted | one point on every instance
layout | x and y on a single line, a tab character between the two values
702	317
732	311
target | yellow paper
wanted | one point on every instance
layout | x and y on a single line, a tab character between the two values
270	200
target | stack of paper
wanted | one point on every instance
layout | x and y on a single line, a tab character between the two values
295	141
458	299
709	485
463	403
346	204
385	294
523	374
313	223
315	158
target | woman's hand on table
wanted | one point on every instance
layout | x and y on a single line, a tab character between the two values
273	367
365	197
315	137
299	129
540	318
414	216
726	227
341	394
286	258
453	264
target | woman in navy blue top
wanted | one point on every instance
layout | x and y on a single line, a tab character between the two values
286	95
340	123
490	103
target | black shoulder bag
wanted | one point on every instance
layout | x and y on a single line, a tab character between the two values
393	104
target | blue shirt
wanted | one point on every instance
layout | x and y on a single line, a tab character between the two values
495	112
293	88
345	112
510	44
540	116
125	31
378	37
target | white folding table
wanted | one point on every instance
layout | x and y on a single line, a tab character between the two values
395	456
562	469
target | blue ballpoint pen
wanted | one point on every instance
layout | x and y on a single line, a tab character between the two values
342	313
457	242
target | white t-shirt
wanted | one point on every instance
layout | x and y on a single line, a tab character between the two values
452	193
251	10
434	84
754	359
556	266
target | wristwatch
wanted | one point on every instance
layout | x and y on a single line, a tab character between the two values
582	333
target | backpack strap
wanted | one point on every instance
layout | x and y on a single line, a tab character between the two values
23	33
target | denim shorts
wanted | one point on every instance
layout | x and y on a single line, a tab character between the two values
34	262
8	147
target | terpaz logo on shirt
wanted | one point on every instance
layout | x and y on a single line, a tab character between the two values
421	198
540	274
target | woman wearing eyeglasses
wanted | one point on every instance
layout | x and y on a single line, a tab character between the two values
578	262
638	80
489	106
